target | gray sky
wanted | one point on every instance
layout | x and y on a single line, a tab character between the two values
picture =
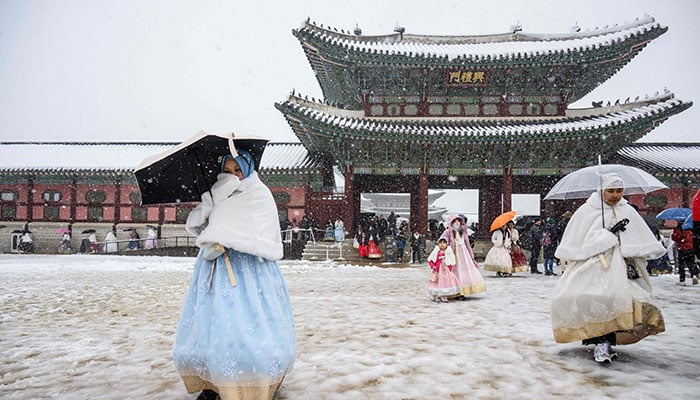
138	70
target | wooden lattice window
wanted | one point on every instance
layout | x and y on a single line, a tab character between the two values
139	213
135	197
95	197
52	196
95	213
51	213
181	214
8	196
9	212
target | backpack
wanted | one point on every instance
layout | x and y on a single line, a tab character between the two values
546	239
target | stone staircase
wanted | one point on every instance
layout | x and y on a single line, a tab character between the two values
343	251
324	251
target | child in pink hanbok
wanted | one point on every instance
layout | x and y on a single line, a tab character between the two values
442	283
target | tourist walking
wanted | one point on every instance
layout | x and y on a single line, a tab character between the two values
686	257
339	227
604	296
235	336
466	269
443	283
535	233
401	238
517	257
417	247
550	239
498	257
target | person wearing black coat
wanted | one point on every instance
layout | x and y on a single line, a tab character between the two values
536	234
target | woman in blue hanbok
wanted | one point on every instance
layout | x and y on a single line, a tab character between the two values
235	336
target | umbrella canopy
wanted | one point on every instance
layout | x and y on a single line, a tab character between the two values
581	183
189	169
128	229
62	230
675	213
89	231
687	223
502	219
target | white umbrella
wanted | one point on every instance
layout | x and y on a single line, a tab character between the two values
581	183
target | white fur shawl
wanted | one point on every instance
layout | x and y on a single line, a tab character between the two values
243	217
449	256
585	236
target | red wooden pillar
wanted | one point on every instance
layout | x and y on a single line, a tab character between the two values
489	205
349	203
507	188
419	205
30	199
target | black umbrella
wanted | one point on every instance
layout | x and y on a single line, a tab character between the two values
89	231
189	169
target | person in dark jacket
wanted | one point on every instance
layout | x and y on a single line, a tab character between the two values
550	239
686	256
536	234
417	246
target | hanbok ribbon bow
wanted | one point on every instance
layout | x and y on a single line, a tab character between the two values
229	268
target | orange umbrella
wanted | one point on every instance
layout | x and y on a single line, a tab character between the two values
502	219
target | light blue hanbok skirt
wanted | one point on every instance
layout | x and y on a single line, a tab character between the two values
235	337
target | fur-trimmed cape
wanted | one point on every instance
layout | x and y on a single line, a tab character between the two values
243	217
586	237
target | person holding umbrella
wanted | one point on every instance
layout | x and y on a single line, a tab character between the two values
498	257
604	296
235	337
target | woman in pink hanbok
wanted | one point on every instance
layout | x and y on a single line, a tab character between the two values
443	283
466	269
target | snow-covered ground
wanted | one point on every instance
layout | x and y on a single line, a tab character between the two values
101	327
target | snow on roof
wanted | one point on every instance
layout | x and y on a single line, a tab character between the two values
487	45
678	157
468	127
76	156
122	156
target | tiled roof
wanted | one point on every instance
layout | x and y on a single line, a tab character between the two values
510	45
662	157
513	129
125	156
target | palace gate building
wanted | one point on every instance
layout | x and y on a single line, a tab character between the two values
404	113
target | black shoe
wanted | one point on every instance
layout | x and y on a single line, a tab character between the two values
208	395
535	272
547	273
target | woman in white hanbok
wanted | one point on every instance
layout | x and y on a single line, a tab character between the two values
235	338
498	257
604	296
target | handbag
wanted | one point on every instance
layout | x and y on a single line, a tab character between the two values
355	243
433	276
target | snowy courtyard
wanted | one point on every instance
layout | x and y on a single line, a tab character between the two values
102	327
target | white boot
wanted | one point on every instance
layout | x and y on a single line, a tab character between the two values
601	353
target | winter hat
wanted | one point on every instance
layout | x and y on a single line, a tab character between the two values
550	221
244	160
612	181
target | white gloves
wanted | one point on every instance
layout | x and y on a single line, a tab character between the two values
225	185
211	252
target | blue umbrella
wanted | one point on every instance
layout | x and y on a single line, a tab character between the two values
688	223
676	213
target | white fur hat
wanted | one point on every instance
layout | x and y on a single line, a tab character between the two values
612	181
